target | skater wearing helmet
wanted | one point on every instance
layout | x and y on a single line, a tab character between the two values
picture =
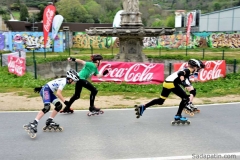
172	84
190	108
89	69
48	97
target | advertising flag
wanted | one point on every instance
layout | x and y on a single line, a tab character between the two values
57	22
190	18
48	15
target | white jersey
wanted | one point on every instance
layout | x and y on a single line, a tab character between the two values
56	84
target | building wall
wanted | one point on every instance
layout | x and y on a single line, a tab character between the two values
224	20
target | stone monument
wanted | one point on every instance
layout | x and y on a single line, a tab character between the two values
131	33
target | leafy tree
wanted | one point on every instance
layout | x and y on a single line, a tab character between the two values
23	12
170	22
93	9
39	16
216	6
70	12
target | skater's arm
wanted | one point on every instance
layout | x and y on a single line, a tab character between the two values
77	60
59	95
100	75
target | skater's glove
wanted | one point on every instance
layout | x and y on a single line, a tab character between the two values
72	59
184	84
105	72
66	103
37	89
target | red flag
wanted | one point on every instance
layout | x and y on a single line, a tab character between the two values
190	18
48	15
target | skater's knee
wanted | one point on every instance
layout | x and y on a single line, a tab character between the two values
193	92
58	106
94	92
46	108
75	97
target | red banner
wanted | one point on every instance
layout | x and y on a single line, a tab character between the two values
16	65
48	15
190	18
132	73
213	70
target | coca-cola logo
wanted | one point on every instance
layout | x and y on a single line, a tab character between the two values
49	17
212	70
138	72
16	65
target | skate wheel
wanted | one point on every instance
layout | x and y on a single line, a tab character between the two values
191	114
101	112
89	114
172	122
178	123
183	123
187	111
188	122
138	116
33	135
60	129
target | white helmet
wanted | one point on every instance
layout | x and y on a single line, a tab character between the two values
73	75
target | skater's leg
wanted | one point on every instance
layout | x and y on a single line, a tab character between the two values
185	98
93	94
76	95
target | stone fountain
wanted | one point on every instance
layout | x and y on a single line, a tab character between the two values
131	33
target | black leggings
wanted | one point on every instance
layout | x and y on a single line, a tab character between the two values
78	89
177	90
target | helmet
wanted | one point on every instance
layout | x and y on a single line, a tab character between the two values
96	57
194	63
73	75
201	64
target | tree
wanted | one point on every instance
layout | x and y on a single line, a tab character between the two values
23	12
93	9
170	22
39	16
216	6
70	12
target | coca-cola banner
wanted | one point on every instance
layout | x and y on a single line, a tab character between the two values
48	15
132	73
16	65
213	70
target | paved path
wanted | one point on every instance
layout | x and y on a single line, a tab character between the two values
117	134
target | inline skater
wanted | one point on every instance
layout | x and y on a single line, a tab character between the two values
48	97
89	69
172	84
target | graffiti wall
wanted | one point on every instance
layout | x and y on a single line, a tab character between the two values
28	40
5	41
82	40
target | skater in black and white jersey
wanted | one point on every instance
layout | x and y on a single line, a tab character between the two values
172	84
190	108
48	97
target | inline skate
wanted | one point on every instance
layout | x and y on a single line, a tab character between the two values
52	126
180	120
94	111
139	110
31	128
191	109
67	110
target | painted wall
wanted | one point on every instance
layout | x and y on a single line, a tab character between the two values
25	41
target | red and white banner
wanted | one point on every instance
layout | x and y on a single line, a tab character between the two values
190	18
213	70
16	65
48	15
132	73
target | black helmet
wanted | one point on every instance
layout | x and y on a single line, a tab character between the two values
201	64
96	57
194	63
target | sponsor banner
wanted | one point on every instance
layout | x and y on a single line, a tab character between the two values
16	54
16	65
190	18
48	15
213	70
57	22
132	73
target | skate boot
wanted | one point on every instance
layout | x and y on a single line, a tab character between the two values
139	110
67	110
31	128
195	109
52	126
94	111
188	109
180	120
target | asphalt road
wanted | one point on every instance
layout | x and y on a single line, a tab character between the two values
117	134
